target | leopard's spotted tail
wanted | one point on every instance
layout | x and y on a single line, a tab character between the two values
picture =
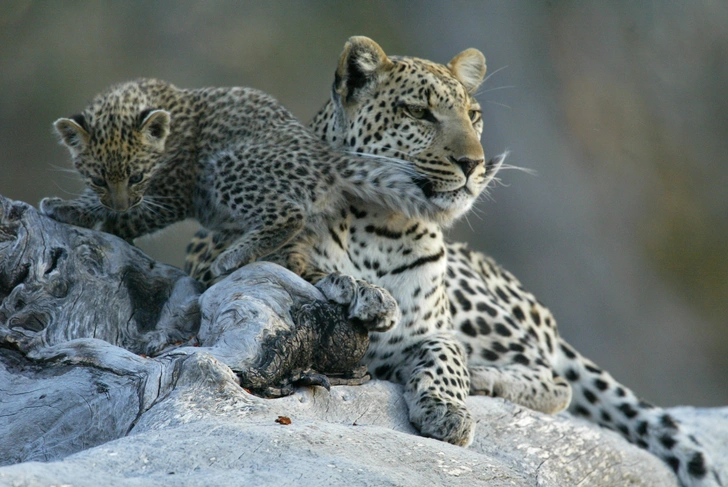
598	397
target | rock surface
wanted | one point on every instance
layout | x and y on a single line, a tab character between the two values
199	427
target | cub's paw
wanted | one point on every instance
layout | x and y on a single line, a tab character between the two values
373	306
52	207
443	420
70	212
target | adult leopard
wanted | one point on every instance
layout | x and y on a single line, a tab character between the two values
403	107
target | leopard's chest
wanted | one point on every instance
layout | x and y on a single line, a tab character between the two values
406	257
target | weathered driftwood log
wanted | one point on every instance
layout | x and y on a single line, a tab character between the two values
73	396
274	329
266	324
59	282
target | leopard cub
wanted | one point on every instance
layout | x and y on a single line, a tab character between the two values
233	158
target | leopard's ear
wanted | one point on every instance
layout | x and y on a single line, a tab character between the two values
360	63
154	126
73	132
469	68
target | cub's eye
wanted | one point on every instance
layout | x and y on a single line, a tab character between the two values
99	182
474	115
135	178
418	113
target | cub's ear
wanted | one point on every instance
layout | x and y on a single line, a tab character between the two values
73	132
154	126
360	63
469	68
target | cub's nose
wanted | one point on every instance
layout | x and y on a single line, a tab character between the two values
468	165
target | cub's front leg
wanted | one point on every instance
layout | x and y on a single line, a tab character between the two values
85	211
262	238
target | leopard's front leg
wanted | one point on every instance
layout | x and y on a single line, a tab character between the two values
436	386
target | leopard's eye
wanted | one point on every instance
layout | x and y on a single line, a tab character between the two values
135	178
418	113
474	115
98	182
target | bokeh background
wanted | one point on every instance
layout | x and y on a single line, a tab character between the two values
620	107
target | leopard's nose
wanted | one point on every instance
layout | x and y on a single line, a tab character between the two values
468	165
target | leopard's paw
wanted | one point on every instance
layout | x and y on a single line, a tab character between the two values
72	212
443	420
373	306
338	288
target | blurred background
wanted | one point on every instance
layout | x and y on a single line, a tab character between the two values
620	107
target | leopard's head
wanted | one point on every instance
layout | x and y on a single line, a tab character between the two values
416	110
117	144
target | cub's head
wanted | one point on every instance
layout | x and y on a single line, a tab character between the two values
117	144
417	110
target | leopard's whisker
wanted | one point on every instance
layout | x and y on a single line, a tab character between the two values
496	88
66	191
64	169
498	104
404	165
151	202
527	170
494	72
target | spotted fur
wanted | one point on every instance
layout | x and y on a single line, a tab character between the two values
509	338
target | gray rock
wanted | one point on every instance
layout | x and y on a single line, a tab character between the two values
201	428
